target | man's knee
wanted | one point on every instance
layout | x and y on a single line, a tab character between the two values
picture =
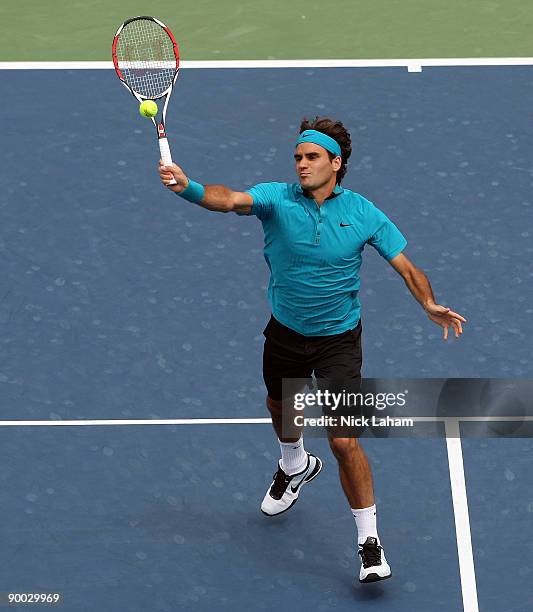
343	448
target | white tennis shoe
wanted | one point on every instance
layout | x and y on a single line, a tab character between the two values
284	491
374	566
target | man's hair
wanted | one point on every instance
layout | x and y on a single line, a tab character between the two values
335	130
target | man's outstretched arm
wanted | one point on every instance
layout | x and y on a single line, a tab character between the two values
418	284
212	197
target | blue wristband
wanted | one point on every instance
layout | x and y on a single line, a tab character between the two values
194	192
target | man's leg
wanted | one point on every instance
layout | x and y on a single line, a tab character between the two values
285	358
338	365
356	479
354	471
275	409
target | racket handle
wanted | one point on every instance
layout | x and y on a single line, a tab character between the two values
165	155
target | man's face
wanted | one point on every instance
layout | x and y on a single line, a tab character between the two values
313	166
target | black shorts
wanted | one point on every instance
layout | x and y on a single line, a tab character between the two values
289	355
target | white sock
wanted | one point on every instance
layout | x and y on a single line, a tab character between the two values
365	519
293	456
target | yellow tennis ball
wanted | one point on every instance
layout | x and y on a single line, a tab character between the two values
148	108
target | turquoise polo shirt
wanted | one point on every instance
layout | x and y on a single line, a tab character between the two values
314	254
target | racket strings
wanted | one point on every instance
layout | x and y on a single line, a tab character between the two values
146	57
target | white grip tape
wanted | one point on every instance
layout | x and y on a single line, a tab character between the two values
165	155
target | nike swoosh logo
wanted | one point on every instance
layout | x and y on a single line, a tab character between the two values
346	224
295	489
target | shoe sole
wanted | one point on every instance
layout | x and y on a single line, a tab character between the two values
374	578
314	474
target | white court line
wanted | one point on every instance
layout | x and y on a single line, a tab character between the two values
412	64
106	422
462	520
222	421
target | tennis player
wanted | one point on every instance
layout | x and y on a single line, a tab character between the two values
315	231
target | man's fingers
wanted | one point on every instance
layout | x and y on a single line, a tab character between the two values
455	315
447	320
444	311
163	167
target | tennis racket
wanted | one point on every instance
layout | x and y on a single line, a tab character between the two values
146	59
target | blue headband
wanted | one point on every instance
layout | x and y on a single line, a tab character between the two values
321	139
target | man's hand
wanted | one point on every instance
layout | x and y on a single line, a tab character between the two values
167	173
419	286
446	318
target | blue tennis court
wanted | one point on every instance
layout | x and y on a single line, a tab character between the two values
121	301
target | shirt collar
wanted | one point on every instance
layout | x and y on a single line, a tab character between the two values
337	190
